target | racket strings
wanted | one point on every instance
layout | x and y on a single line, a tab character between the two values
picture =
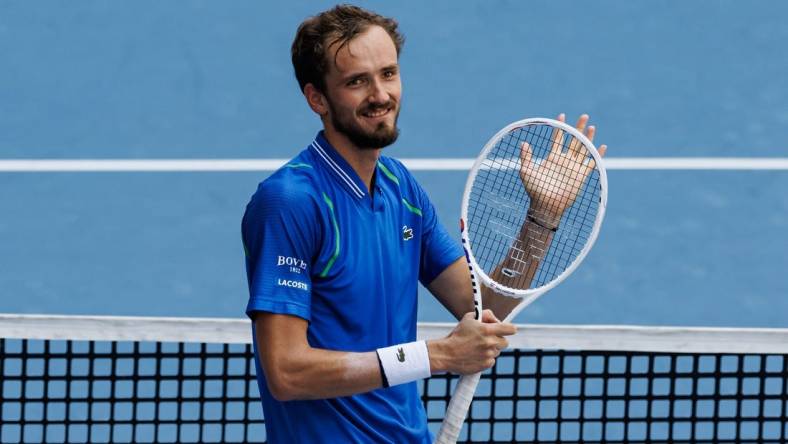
549	162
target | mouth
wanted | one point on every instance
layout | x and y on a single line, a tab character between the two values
377	113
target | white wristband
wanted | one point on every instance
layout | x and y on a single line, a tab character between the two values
405	362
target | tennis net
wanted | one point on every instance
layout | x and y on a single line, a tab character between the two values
119	379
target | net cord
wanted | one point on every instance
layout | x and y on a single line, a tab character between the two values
658	339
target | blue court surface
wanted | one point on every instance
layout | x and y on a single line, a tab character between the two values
194	80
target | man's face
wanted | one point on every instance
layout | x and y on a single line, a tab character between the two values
363	89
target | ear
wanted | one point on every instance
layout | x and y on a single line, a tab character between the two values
315	99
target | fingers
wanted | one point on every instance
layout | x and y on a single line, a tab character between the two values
581	123
489	317
473	346
526	165
495	326
500	329
591	162
575	147
590	133
526	153
490	325
558	137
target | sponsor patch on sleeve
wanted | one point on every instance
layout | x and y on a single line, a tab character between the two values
293	264
287	266
292	284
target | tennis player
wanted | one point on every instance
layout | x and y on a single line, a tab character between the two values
336	242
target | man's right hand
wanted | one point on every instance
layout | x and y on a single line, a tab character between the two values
472	346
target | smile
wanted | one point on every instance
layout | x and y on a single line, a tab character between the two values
377	113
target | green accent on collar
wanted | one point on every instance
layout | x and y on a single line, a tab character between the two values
411	208
246	249
298	165
394	179
388	173
334	257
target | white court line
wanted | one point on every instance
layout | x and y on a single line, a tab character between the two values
414	164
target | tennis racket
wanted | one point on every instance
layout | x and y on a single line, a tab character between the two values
532	208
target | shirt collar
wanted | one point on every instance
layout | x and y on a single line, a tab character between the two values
338	166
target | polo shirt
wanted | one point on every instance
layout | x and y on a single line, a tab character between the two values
321	246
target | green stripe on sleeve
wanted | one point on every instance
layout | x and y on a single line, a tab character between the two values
334	257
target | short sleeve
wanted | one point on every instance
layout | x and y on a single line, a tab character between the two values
438	248
279	237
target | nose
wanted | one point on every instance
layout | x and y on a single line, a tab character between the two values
378	93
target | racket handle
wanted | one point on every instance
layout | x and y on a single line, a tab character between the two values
458	409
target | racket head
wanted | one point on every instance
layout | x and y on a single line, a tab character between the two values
485	237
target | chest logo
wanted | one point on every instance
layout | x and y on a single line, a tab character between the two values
407	233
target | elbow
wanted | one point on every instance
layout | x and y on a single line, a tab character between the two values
282	386
281	392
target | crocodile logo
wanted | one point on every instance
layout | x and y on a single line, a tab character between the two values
400	355
407	233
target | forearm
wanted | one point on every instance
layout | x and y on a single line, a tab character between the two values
295	370
321	374
313	373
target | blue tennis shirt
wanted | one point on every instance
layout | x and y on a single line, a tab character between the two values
322	247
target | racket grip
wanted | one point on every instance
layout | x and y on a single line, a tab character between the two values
458	409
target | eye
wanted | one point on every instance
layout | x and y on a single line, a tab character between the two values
390	73
356	81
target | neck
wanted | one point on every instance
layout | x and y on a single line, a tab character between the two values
363	161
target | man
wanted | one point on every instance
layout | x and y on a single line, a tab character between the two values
336	242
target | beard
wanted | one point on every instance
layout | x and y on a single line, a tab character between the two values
382	136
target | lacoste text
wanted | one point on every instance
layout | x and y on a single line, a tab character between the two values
292	284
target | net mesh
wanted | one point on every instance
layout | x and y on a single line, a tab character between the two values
540	173
105	391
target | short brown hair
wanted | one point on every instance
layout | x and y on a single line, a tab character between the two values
338	25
